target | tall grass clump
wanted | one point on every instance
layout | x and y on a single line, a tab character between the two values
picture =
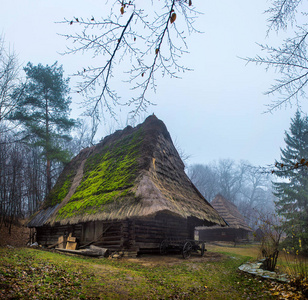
296	266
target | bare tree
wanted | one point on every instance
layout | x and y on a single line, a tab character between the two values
8	82
256	195
205	179
11	180
272	232
230	178
290	59
22	178
225	177
241	183
81	137
136	39
34	179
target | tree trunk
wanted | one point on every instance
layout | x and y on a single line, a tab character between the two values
48	175
48	163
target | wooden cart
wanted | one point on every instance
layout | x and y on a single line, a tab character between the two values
185	247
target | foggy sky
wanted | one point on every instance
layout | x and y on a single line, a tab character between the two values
213	112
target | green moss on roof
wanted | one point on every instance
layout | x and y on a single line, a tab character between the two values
108	177
60	190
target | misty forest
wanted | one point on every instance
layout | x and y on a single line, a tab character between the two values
46	155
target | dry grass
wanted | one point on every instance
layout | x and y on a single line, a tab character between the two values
285	262
250	250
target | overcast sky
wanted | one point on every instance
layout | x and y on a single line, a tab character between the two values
213	112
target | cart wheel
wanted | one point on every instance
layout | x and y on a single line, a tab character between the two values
187	248
202	249
163	248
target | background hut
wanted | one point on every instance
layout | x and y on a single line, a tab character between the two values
236	231
129	191
258	235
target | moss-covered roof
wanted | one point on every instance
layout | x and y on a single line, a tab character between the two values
135	172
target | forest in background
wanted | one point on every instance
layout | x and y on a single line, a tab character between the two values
37	136
248	187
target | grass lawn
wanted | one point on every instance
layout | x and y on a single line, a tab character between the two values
248	250
36	274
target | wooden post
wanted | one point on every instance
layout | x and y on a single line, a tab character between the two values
82	233
71	242
61	242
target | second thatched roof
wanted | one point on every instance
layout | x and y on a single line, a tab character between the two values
229	212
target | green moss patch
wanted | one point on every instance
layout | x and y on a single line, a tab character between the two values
60	189
108	177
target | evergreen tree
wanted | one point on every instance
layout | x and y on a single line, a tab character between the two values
292	189
43	111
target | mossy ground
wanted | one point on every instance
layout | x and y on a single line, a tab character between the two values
108	177
30	273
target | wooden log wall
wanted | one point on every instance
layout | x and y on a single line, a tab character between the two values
149	233
47	235
135	234
192	223
130	234
222	234
112	235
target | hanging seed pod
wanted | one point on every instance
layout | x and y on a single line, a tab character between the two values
173	18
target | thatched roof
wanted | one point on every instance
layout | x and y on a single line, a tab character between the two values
135	172
229	212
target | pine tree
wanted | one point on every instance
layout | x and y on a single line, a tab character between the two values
292	188
43	111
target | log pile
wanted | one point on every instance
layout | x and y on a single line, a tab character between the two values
92	251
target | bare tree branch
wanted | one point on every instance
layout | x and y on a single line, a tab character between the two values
290	60
8	82
151	37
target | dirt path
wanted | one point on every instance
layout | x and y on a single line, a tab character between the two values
173	259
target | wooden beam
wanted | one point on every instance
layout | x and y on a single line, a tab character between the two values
96	240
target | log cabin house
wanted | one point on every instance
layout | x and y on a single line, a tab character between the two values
237	230
129	191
